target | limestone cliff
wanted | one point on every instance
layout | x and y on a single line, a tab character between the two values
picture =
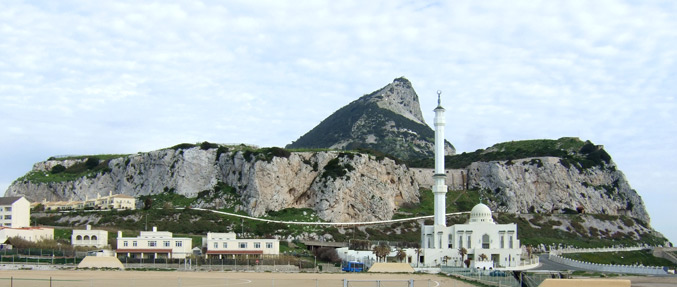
339	186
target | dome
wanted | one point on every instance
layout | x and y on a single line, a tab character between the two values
481	214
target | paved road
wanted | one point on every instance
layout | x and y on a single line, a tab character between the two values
547	264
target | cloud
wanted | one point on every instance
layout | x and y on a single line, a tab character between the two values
122	77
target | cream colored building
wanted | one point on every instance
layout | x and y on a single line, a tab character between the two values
89	237
32	234
153	244
15	212
226	245
112	201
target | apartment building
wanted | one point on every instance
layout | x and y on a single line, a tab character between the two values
153	244
15	212
226	245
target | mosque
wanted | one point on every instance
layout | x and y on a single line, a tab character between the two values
488	244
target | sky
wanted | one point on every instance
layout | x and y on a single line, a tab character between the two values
121	77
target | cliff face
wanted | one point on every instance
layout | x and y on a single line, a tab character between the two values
343	186
544	185
339	186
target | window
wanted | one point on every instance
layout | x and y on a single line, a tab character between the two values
460	241
485	241
269	245
9	208
225	245
134	243
86	237
257	245
125	243
166	243
243	244
451	241
152	243
510	242
94	237
502	241
216	245
179	244
469	242
8	217
79	237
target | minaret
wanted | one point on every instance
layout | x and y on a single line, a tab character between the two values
439	187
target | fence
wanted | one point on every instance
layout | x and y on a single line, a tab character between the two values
597	250
263	263
647	270
183	282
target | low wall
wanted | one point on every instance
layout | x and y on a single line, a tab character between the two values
597	250
647	270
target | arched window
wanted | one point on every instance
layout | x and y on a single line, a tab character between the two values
94	237
79	237
485	241
86	237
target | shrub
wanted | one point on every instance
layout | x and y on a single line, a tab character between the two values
57	169
92	162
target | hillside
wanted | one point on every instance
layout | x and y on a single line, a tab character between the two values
388	120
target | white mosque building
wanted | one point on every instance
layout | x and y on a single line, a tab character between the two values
488	244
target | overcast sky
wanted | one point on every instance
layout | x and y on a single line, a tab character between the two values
93	77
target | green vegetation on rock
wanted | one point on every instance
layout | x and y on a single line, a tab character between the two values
572	153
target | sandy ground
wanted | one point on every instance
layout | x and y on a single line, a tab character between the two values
77	278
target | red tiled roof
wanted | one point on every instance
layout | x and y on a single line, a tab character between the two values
234	251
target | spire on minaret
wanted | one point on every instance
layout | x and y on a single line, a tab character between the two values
439	99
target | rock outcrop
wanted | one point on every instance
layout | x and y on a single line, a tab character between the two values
339	186
388	120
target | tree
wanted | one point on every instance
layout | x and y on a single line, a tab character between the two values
418	255
401	254
147	203
381	251
462	251
483	257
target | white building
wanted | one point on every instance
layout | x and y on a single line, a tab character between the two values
480	236
89	237
32	234
226	245
15	212
153	244
488	245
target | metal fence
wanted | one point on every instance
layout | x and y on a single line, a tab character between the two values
172	280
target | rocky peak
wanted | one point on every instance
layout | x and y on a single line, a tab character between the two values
399	97
389	120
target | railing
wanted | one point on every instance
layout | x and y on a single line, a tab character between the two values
597	250
632	269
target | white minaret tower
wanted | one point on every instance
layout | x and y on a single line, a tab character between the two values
439	187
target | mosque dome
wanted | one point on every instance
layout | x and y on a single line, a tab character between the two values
481	214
